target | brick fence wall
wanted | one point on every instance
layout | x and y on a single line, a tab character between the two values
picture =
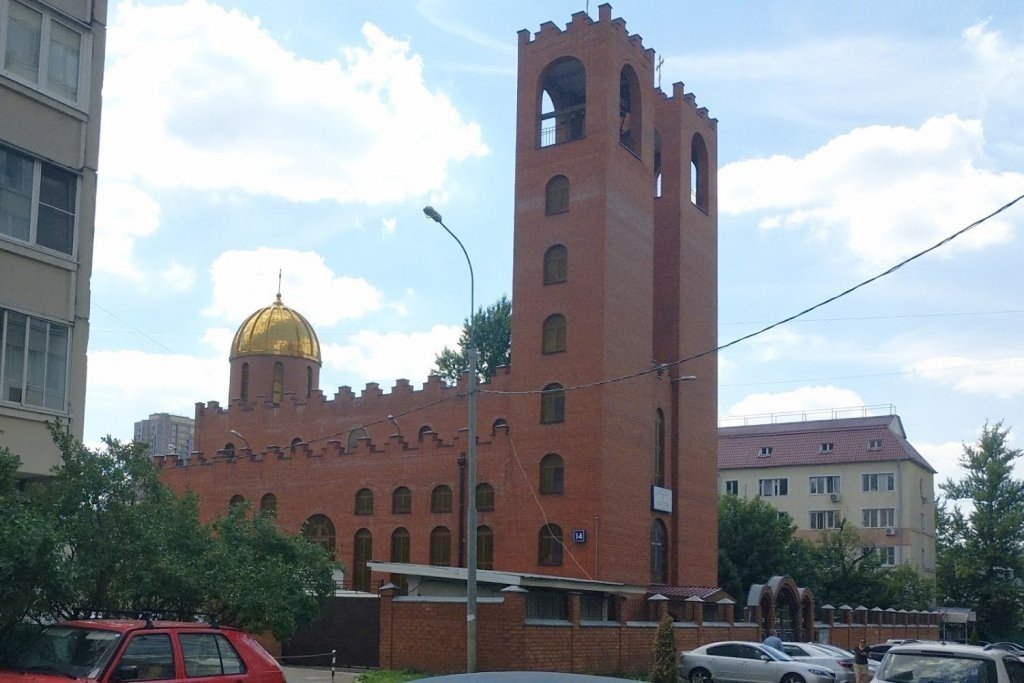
428	635
418	634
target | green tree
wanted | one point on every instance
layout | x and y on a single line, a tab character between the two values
127	542
754	543
845	571
263	579
905	588
666	657
981	562
492	335
28	549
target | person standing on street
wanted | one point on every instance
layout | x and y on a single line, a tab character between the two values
860	662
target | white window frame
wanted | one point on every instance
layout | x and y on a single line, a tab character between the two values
23	381
35	200
874	444
887	553
764	451
873	482
826	447
878	518
824	519
823	484
778	486
732	487
40	84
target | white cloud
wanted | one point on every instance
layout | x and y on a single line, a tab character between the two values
385	357
1002	377
201	97
821	400
387	226
887	191
944	457
150	383
124	212
244	281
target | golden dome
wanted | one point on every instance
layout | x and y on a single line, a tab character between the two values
276	331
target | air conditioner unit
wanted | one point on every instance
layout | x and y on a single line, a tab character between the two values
890	531
835	497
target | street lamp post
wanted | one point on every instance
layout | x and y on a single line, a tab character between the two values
432	214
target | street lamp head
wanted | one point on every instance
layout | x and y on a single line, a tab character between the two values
432	214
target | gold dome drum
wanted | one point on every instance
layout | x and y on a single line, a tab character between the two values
276	331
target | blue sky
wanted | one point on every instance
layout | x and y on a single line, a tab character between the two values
240	138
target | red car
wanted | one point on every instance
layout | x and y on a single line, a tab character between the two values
109	650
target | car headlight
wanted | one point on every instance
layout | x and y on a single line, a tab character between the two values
821	672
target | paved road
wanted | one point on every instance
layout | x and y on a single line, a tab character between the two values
306	674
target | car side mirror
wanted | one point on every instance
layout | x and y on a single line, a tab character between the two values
765	658
126	672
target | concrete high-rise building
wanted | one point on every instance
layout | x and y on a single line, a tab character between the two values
166	434
51	74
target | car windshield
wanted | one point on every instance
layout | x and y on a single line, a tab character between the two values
836	650
68	651
781	656
936	667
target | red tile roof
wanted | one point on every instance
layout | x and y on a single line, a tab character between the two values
799	443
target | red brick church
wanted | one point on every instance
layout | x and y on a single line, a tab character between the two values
596	460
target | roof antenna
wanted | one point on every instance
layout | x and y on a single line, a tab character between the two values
279	284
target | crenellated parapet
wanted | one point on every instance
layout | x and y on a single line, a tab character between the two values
580	25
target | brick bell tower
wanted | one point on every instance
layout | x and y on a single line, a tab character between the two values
615	273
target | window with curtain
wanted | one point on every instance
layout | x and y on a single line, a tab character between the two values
550	545
554	332
552	474
556	264
38	202
43	52
552	404
441	547
35	361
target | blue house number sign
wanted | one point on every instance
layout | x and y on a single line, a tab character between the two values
579	535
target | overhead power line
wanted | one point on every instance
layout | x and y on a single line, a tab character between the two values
661	367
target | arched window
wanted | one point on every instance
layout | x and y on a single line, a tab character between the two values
268	504
441	547
425	430
658	188
659	448
353	438
554	334
235	501
549	545
630	111
245	382
556	264
278	382
659	552
699	170
320	530
309	381
552	474
441	499
499	424
484	497
362	552
556	195
296	442
552	404
400	552
484	547
229	450
562	99
401	501
364	502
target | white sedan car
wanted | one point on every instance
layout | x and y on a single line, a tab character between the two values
742	662
941	662
838	660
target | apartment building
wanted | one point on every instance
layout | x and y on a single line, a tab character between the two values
51	74
166	434
860	470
